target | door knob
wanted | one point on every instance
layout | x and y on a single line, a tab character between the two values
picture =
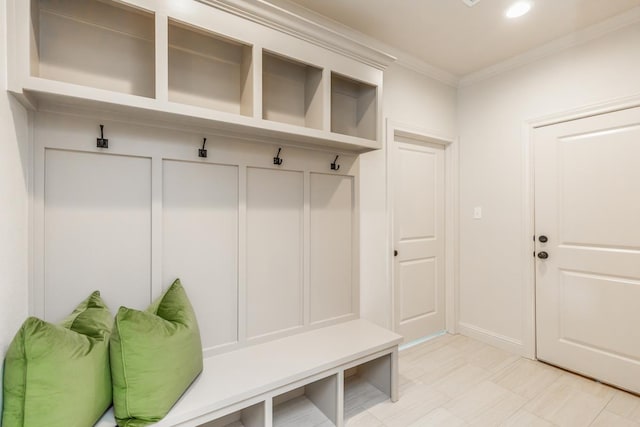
543	255
395	253
543	239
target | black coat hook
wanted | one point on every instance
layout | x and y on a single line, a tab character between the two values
277	160
334	165
201	151
102	142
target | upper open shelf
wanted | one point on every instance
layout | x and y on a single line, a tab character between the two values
209	71
153	58
105	45
353	107
291	91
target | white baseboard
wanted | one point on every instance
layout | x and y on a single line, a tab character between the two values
488	337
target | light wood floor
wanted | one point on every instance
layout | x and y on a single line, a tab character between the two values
457	381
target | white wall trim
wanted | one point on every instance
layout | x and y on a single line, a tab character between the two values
422	67
394	129
298	21
500	341
574	39
313	30
528	171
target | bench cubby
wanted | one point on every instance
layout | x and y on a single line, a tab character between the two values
313	404
252	416
366	385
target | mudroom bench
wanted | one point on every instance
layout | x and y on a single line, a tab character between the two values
289	381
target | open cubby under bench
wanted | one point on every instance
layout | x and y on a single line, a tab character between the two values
291	381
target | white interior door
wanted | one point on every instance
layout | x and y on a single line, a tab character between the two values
419	238
587	190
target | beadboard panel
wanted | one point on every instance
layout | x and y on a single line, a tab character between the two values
275	208
235	228
200	242
331	254
97	227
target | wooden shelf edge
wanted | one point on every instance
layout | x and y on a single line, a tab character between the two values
48	95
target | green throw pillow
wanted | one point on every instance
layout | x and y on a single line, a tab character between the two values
155	355
58	375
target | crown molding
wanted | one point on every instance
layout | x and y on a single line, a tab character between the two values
413	63
574	39
302	27
305	24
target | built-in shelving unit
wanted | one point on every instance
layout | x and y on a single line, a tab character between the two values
106	45
185	62
291	91
209	71
353	107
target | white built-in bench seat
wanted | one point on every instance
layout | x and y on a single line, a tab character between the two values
249	378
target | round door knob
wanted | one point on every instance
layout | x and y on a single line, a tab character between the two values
543	239
543	255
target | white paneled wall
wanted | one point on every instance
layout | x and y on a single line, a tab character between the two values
200	242
332	207
262	250
95	220
275	227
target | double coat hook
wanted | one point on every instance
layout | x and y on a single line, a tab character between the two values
277	160
335	166
102	142
201	151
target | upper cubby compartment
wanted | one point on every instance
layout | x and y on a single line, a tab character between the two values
291	92
104	45
207	70
353	107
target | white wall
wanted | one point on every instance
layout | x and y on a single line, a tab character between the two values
491	116
13	206
409	98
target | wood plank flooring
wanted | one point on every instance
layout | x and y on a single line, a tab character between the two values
457	381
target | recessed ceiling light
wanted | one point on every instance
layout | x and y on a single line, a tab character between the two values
518	9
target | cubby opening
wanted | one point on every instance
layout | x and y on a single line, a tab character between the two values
210	71
367	385
252	416
291	91
315	404
353	107
100	44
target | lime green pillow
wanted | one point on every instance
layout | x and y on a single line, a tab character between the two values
58	375
155	355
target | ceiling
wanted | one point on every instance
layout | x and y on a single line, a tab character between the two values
461	40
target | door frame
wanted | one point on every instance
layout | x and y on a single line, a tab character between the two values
450	145
528	208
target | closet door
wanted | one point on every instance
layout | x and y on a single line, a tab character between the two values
419	238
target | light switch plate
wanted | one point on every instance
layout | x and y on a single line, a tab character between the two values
477	212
